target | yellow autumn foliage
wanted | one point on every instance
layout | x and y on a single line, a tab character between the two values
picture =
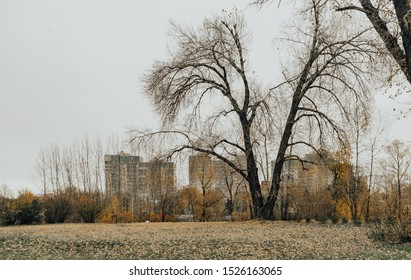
114	213
25	198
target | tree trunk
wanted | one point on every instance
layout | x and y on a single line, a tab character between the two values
355	209
203	206
399	201
268	209
401	8
367	212
163	213
403	11
252	170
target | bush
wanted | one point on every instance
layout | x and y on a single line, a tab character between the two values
89	206
57	207
240	216
29	214
114	212
7	217
26	209
392	231
357	223
335	219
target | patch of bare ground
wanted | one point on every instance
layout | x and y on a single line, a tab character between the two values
222	240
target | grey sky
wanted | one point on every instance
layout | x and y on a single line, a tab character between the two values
69	68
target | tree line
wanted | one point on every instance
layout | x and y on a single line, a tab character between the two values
326	188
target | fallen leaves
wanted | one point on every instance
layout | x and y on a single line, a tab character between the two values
222	240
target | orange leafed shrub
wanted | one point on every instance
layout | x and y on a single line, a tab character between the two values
114	213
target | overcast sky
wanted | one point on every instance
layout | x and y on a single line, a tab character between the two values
69	68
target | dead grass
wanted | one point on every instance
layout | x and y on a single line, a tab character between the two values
223	240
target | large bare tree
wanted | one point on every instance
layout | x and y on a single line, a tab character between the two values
204	95
390	19
328	76
205	85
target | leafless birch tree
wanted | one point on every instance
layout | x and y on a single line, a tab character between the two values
78	165
397	165
375	147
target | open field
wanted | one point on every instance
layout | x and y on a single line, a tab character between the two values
223	240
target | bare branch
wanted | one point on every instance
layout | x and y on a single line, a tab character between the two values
351	7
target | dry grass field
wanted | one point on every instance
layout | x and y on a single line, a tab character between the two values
223	240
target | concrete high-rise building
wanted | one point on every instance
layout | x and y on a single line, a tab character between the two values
129	176
121	173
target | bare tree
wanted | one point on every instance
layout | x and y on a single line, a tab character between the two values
84	163
77	165
210	65
42	170
397	165
360	120
375	147
55	167
231	188
210	61
391	20
205	175
6	196
162	185
98	164
188	200
330	64
68	167
5	191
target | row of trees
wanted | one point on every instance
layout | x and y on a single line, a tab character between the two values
79	164
333	188
327	188
64	205
70	205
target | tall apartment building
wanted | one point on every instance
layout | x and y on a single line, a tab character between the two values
315	173
129	176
